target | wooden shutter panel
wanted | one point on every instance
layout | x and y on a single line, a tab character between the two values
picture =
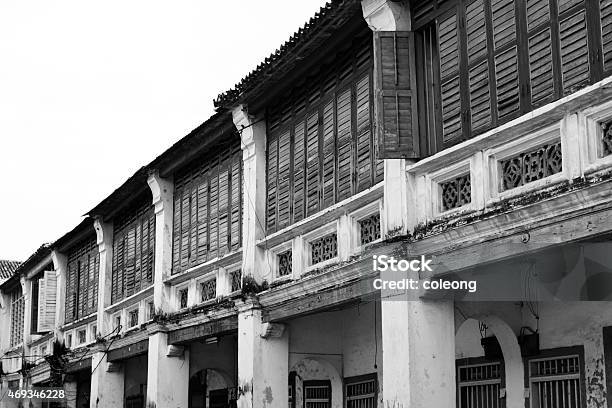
364	134
541	70
574	52
299	172
236	201
284	169
396	113
214	212
312	164
47	295
176	234
344	146
329	155
606	33
272	183
203	220
223	206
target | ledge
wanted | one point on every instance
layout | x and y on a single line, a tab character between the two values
226	260
83	320
123	303
525	124
323	217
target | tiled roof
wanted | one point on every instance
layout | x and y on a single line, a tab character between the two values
7	268
291	51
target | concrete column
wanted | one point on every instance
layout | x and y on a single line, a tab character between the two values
26	289
263	361
253	136
60	264
418	353
168	375
163	195
387	15
104	239
107	382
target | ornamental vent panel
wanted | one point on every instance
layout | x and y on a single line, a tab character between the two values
208	290
369	229
284	263
606	139
530	166
236	280
182	295
324	248
456	193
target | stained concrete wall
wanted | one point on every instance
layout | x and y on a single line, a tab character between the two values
335	345
561	324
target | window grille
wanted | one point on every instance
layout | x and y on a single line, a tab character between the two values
456	193
361	392
479	385
208	289
236	280
555	382
17	316
370	229
182	295
530	166
324	248
82	336
150	310
133	318
317	394
284	263
606	138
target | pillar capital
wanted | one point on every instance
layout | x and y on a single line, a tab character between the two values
104	233
386	15
162	190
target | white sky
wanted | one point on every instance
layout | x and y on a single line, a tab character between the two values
91	91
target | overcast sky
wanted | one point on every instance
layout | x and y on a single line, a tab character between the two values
91	91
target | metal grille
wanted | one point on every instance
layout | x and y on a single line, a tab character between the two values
284	263
324	248
531	166
82	336
606	138
17	316
361	394
208	290
370	229
456	193
555	382
479	386
317	394
133	318
182	295
236	278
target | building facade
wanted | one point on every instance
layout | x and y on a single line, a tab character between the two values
236	269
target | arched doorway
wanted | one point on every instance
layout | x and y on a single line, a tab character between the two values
315	383
479	381
209	388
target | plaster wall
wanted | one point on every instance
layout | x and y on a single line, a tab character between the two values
135	370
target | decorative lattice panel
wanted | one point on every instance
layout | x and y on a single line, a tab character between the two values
284	263
133	318
182	295
236	280
324	248
208	290
606	138
456	193
530	166
369	229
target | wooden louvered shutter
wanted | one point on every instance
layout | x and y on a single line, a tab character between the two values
344	144
272	183
606	33
176	233
329	155
96	280
214	212
364	134
192	232
574	48
185	219
203	219
396	113
224	205
284	180
313	181
451	102
47	295
299	172
542	65
236	201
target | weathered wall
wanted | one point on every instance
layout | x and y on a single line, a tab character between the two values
220	356
335	345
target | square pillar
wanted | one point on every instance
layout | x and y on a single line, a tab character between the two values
60	264
104	239
253	136
163	201
418	353
107	382
168	373
263	361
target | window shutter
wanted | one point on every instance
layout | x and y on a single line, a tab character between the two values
203	220
236	199
364	134
47	294
284	167
272	182
606	33
329	155
214	212
574	52
344	148
396	113
312	164
299	172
